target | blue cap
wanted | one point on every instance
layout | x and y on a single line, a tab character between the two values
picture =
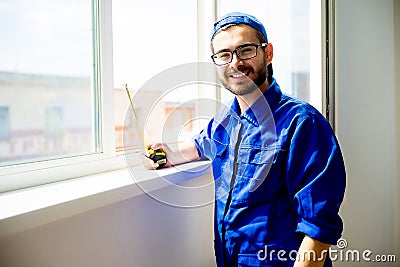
239	18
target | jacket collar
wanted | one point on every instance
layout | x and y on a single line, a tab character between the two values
261	109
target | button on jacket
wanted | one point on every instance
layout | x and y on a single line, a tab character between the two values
278	173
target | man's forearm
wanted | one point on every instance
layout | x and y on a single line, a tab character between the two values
186	152
312	253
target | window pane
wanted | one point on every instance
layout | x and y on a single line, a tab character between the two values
149	38
5	123
294	29
46	91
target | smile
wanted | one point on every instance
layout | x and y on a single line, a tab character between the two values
239	75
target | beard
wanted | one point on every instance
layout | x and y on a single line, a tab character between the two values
248	85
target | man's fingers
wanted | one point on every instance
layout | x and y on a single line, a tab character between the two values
148	163
157	146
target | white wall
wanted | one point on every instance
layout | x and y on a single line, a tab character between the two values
367	119
139	231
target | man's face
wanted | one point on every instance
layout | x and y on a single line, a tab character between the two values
241	77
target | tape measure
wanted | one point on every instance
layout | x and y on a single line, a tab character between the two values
158	155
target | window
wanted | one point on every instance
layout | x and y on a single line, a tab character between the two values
294	29
149	38
64	111
46	80
52	91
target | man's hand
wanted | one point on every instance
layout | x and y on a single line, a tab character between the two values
312	253
150	164
184	153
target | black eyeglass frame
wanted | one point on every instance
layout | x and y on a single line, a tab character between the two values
214	56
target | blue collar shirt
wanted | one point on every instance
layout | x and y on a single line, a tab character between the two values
279	175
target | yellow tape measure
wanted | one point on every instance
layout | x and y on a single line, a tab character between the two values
158	155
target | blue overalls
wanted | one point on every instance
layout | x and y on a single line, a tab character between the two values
278	173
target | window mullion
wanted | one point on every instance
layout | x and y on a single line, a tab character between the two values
330	69
206	16
106	83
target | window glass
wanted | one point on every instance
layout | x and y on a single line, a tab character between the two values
149	38
5	123
46	88
294	29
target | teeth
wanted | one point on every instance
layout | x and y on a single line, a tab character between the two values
238	75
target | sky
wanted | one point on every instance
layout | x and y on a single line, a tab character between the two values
46	37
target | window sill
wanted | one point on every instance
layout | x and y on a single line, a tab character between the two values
25	209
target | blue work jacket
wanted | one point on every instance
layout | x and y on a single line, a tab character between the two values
279	175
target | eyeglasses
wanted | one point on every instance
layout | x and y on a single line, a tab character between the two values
243	52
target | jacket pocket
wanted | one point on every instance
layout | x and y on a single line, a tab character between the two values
257	178
256	163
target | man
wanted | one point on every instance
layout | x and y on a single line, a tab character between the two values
278	170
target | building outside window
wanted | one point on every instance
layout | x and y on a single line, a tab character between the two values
4	123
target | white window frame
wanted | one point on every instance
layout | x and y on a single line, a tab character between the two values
25	175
